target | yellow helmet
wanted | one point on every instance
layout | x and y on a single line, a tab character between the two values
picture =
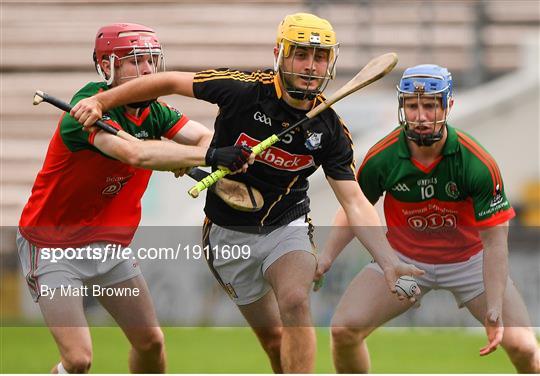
310	31
305	28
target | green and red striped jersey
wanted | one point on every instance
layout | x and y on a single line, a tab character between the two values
81	195
433	213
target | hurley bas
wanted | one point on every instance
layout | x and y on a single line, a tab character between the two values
94	290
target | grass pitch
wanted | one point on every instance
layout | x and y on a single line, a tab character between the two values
236	350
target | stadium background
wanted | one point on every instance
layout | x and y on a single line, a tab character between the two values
491	47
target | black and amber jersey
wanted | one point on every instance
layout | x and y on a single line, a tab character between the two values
250	110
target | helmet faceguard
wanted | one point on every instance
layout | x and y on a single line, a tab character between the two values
121	41
421	81
305	31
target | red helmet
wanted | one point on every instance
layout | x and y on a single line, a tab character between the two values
117	41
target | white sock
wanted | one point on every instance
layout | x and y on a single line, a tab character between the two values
60	368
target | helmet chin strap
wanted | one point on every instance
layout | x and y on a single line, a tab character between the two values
295	93
100	71
424	139
421	139
302	96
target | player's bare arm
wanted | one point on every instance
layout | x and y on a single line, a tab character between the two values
495	270
167	156
339	237
150	154
89	110
366	226
194	133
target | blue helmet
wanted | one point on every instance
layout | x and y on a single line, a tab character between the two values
428	80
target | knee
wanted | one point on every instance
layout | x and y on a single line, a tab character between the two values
152	341
294	303
523	349
77	361
344	336
271	341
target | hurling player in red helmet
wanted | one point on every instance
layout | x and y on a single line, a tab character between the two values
86	202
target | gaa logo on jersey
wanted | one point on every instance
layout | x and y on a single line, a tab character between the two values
115	184
451	190
259	116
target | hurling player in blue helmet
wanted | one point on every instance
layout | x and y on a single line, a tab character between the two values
421	80
446	213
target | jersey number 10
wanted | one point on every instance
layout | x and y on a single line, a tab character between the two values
427	192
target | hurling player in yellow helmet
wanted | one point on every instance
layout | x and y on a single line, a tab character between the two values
271	287
305	55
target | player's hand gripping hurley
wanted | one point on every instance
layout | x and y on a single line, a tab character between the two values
374	70
237	195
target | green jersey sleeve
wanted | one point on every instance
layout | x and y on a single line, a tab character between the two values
370	180
170	120
487	190
485	184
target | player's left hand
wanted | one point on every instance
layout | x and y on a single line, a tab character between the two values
393	272
494	330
